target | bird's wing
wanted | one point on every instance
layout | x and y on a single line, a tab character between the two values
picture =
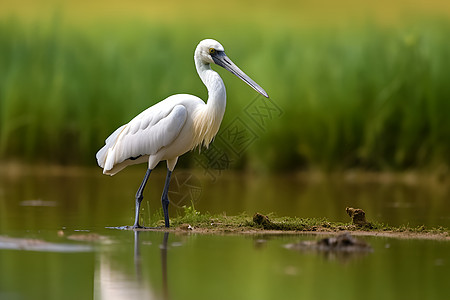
148	132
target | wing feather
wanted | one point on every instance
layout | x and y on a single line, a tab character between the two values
146	134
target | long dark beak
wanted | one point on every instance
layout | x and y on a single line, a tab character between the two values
221	59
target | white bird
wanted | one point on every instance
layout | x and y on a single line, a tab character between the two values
173	126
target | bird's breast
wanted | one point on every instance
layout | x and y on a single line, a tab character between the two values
206	124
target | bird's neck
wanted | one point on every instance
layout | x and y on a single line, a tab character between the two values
207	120
217	94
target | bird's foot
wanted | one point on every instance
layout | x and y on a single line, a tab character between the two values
134	227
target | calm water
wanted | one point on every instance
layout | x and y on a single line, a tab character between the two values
54	243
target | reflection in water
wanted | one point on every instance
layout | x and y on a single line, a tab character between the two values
342	247
138	261
163	248
137	257
26	244
113	283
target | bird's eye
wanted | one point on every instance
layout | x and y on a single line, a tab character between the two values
212	51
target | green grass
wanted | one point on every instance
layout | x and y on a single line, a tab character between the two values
373	97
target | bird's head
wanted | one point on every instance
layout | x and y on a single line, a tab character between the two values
207	49
210	51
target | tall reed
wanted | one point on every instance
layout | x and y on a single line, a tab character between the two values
375	98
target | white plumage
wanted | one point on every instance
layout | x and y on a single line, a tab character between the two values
149	135
175	125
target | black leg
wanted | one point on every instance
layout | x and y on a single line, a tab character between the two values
165	199
139	197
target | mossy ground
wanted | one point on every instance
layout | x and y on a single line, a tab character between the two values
193	221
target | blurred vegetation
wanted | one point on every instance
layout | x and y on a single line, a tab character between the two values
369	96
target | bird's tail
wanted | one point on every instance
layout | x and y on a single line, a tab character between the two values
102	154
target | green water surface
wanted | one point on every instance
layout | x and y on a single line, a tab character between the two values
55	244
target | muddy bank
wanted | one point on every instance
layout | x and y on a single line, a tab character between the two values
263	224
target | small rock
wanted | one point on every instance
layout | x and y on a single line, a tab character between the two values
358	216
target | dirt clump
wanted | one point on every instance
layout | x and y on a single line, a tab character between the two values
262	220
